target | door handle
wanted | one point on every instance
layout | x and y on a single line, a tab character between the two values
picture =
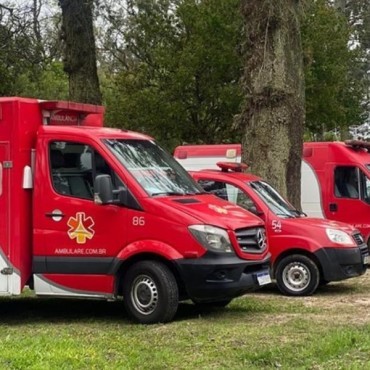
333	207
54	214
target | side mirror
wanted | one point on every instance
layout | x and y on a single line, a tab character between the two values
254	210
103	190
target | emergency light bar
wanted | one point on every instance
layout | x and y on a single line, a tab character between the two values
232	166
65	113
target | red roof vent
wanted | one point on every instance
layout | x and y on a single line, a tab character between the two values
358	144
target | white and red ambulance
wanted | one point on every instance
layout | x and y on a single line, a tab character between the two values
94	212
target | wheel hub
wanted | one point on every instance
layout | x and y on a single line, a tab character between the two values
144	294
296	276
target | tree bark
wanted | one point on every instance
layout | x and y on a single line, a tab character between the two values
80	53
272	119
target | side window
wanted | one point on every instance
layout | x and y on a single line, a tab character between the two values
365	187
228	192
102	168
235	195
217	188
73	170
346	182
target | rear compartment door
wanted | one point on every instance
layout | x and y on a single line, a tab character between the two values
4	214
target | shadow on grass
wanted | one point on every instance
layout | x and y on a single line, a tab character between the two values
334	288
28	310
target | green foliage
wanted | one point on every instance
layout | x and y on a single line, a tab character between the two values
181	82
50	83
333	91
29	52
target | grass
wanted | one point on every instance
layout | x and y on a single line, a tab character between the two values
264	330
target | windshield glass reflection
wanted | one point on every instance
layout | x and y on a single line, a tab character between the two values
154	169
274	200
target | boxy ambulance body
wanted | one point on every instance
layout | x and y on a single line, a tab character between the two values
335	177
88	211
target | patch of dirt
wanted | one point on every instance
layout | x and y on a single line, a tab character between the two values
344	302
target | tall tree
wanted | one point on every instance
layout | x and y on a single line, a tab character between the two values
273	83
80	53
334	78
30	51
358	16
180	61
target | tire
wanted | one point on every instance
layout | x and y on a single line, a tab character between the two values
150	292
297	275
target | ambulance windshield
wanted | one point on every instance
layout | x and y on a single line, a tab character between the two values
154	169
274	200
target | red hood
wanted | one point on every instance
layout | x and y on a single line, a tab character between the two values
321	223
211	210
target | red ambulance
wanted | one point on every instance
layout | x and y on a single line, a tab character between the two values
88	211
305	252
335	177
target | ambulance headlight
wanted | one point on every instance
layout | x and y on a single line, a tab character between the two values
212	238
339	237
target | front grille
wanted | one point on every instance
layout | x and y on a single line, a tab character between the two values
361	243
251	240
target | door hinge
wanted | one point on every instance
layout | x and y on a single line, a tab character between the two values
8	164
7	271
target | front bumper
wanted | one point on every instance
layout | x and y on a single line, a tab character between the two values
342	263
214	277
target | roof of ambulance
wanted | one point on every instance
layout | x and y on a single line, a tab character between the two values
93	132
336	151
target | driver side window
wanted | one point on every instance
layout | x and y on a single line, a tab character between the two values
73	171
228	192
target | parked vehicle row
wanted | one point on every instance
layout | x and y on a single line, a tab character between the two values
305	252
94	212
335	177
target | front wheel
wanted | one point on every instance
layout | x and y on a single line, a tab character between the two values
297	275
150	292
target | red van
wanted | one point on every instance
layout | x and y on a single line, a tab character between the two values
88	211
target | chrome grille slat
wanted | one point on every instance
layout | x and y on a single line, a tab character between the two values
251	240
358	238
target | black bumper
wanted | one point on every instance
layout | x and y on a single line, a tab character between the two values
341	263
214	278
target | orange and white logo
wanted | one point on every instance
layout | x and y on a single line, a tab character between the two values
218	209
81	228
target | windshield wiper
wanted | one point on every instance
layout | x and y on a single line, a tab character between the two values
167	193
297	213
287	215
197	193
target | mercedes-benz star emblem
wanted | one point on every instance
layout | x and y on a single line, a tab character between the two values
261	239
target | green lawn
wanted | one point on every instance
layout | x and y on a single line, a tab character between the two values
330	330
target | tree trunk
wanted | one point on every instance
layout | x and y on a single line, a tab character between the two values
272	120
80	55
